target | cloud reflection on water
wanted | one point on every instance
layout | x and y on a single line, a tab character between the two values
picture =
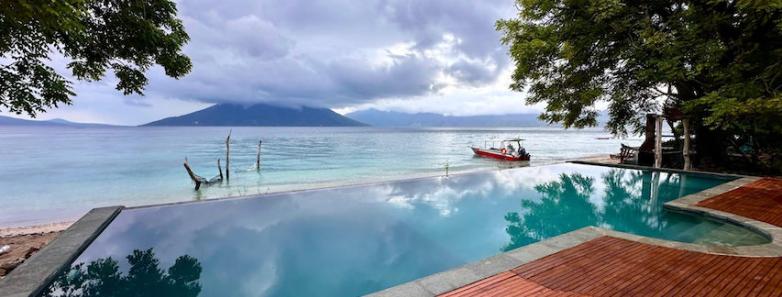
356	240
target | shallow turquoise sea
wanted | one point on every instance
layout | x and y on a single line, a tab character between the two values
53	174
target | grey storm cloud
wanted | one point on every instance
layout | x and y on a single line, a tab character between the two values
334	53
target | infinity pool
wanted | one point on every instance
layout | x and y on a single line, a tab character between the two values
357	240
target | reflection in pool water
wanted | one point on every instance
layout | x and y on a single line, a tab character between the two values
102	277
357	240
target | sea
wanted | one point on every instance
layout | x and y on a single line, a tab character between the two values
56	174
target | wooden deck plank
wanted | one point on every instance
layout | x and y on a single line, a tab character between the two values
550	261
774	286
767	279
622	278
485	283
600	252
572	273
757	279
668	276
651	283
707	278
607	275
652	271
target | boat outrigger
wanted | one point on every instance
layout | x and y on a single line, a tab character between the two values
506	151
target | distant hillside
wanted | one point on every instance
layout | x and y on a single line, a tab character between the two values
399	119
259	115
9	121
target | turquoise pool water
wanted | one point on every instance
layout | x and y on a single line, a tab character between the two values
357	240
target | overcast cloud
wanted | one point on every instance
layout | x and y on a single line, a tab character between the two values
407	55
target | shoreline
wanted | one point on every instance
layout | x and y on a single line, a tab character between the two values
35	229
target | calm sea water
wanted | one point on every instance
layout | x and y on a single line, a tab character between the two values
351	241
53	174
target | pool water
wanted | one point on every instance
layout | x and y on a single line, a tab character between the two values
357	240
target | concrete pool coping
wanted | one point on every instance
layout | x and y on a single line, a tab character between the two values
456	278
647	168
35	274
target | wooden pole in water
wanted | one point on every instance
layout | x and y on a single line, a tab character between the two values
658	142
228	156
258	156
686	146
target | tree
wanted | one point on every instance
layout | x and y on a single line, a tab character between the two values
127	37
718	61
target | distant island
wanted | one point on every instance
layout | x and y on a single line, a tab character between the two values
399	119
259	115
9	121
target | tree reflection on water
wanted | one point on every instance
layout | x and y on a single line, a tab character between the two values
632	200
102	277
552	215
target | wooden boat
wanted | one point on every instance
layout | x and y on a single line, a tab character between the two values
506	152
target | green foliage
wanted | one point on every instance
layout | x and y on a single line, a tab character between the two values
126	37
722	60
102	277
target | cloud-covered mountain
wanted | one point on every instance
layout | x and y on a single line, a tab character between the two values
9	121
398	119
259	115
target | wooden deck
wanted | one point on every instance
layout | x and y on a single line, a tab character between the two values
610	266
760	200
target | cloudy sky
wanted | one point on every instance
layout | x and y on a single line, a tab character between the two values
438	56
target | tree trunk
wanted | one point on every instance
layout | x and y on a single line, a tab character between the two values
646	150
686	145
198	180
658	142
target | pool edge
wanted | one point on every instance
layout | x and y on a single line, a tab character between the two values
37	272
446	281
647	168
689	204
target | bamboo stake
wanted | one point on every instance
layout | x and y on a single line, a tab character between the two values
258	156
228	156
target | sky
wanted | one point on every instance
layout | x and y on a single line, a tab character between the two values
440	56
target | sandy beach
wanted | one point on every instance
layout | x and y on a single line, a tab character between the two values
24	242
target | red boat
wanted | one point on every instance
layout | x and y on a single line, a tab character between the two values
506	151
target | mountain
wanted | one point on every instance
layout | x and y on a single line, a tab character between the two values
9	121
399	119
259	115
